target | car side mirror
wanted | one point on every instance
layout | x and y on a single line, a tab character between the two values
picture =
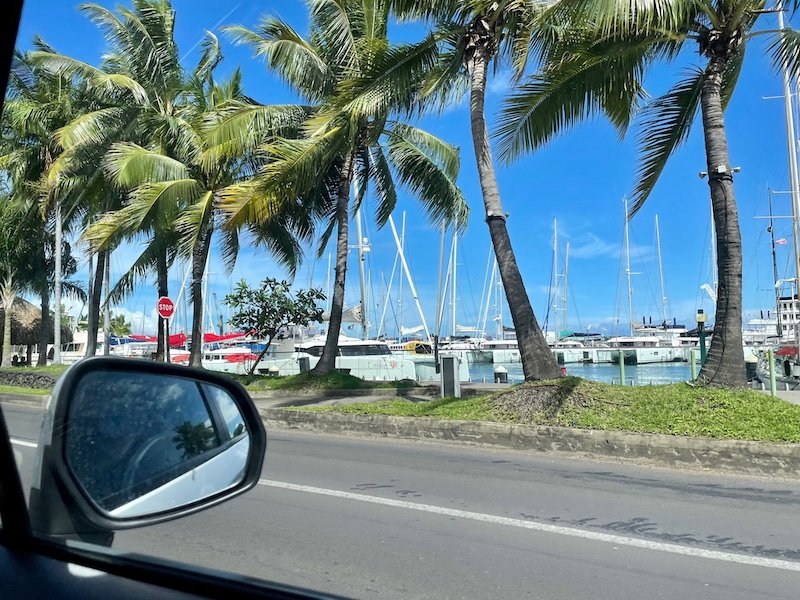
127	443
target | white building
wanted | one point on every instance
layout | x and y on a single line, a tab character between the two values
788	317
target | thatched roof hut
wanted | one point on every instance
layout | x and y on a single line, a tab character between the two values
26	323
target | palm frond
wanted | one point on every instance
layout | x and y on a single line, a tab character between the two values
426	177
93	127
129	166
289	55
229	247
193	223
112	84
578	87
239	127
785	51
624	17
333	20
297	166
445	155
210	58
381	176
390	82
666	123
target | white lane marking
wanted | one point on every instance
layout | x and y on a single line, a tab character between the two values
24	443
744	559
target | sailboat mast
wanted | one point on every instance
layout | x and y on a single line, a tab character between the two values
439	289
453	298
628	268
555	277
794	177
661	274
498	302
774	267
411	286
564	295
400	283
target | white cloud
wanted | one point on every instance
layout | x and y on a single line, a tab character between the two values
500	84
591	246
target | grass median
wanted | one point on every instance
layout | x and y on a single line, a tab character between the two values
310	382
677	409
12	389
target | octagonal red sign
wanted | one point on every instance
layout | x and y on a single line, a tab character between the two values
165	307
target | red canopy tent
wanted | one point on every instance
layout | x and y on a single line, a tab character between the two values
786	351
213	337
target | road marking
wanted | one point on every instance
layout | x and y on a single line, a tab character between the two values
24	443
744	559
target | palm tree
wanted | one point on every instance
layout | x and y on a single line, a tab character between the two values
474	36
139	89
17	248
39	104
357	82
120	327
595	58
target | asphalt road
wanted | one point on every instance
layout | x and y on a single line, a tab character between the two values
397	519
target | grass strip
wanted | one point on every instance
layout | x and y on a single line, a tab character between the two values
308	381
676	409
12	389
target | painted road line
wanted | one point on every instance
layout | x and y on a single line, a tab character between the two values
620	540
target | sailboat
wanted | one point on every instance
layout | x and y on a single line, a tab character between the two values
648	344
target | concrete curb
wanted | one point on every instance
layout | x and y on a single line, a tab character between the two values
36	401
326	394
732	456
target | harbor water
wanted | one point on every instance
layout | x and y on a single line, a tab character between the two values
652	374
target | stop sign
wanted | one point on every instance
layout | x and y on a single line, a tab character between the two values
165	307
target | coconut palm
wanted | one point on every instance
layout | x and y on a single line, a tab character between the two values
474	36
360	87
120	326
140	86
596	56
17	249
39	104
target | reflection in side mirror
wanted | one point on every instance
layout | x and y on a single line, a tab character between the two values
145	443
127	443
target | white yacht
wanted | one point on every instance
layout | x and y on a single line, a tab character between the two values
503	351
640	350
422	355
371	360
469	350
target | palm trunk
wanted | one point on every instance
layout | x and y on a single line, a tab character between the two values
199	259
57	285
95	300
8	295
45	327
724	365
327	361
162	271
107	307
538	361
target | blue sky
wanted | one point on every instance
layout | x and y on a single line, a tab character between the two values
580	180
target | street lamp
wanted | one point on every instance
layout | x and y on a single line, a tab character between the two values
701	326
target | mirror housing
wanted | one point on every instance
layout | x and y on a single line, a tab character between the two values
195	452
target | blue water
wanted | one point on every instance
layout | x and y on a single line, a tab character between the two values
634	374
